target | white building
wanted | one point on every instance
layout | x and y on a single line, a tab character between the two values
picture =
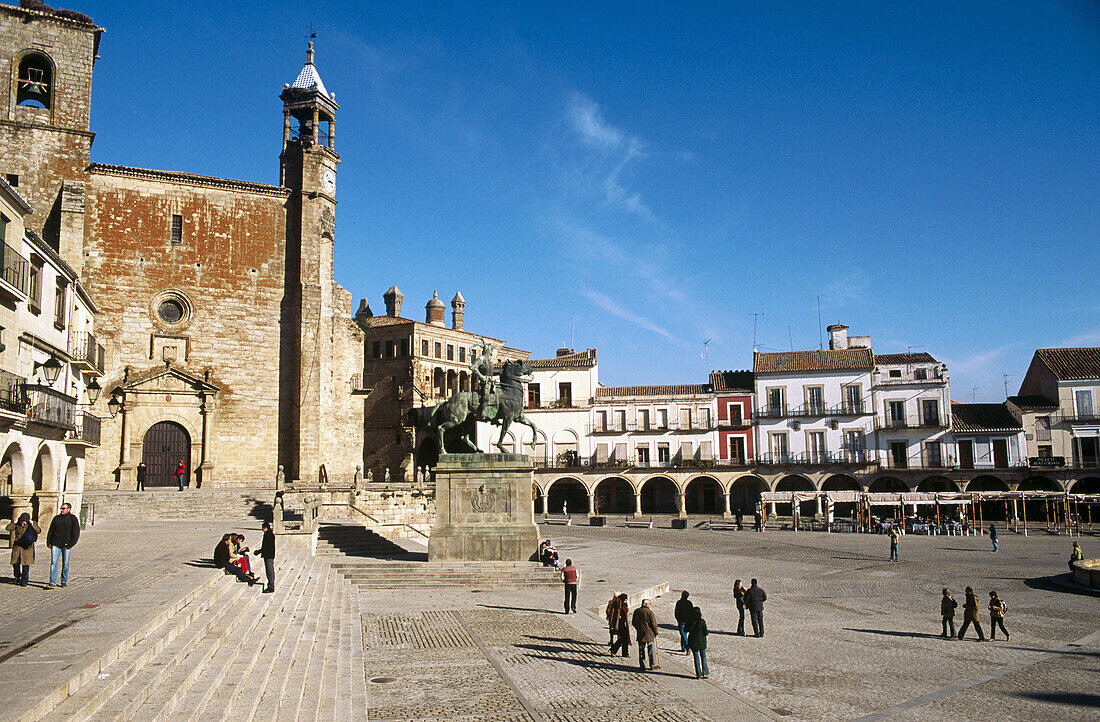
912	401
987	436
49	365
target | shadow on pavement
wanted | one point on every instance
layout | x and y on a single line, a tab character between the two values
892	633
207	563
1078	699
595	664
519	609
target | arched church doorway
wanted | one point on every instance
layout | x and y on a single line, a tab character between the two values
166	444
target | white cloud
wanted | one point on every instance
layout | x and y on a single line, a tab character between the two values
613	307
1086	338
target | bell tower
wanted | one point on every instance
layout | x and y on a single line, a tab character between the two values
308	169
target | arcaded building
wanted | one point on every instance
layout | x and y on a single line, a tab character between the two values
228	344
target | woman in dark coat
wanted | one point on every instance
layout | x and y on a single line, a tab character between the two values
23	534
739	597
697	642
620	622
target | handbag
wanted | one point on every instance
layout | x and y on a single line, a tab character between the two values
27	538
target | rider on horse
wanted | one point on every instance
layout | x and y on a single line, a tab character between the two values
482	368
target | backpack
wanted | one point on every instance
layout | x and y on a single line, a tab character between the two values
28	538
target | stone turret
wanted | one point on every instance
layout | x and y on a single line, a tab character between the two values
435	311
393	299
363	314
838	336
458	310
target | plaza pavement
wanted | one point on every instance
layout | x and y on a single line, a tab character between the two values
849	634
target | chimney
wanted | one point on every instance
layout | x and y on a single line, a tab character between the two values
458	310
393	298
364	314
434	311
838	337
563	352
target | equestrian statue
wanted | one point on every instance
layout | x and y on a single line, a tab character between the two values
496	402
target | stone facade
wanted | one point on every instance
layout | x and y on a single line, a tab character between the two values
227	338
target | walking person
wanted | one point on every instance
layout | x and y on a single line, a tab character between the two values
1075	556
267	553
141	476
571	577
61	538
609	614
697	641
754	600
181	474
683	612
620	620
947	612
739	599
970	615
25	533
993	535
645	630
997	609
893	544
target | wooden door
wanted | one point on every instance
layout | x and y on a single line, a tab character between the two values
966	454
1000	453
166	444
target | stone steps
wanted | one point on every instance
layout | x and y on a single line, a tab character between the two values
354	540
234	653
438	575
235	504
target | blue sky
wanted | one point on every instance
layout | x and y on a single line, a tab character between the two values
646	176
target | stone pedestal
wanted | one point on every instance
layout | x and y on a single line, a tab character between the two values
484	510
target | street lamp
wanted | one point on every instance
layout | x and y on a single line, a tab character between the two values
93	389
50	369
113	406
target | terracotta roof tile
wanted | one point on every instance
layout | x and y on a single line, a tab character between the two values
669	390
982	417
904	358
787	362
1071	363
1033	402
731	380
581	359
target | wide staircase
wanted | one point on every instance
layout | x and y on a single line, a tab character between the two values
235	653
443	575
231	504
353	540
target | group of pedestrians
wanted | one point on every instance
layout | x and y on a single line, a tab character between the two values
231	556
971	611
62	536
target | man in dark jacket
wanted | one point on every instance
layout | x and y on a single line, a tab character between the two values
970	615
645	627
754	600
267	553
684	609
61	538
947	612
221	561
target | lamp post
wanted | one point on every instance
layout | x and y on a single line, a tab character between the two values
113	406
50	369
93	388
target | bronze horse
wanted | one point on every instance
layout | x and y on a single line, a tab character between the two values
505	405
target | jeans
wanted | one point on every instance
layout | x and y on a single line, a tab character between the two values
757	619
893	552
236	571
993	627
701	668
977	626
22	573
179	481
622	642
570	598
269	568
994	540
683	636
740	617
949	622
647	647
63	553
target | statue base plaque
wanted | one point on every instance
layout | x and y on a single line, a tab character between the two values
484	510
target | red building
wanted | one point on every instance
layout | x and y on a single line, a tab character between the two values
734	390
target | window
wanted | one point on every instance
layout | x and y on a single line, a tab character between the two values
733	412
59	304
177	229
601	454
663	454
933	455
601	421
816	442
565	394
13	179
895	414
423	347
450	352
853	399
534	396
776	402
687	452
35	81
779	446
1046	451
815	399
404	347
895	373
389	349
620	420
1042	428
376	349
704	418
920	374
643	455
1083	398
685	418
930	410
643	419
438	350
662	418
737	449
35	284
899	455
462	354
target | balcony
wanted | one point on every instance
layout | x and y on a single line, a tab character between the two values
816	458
87	429
849	408
1081	417
742	423
14	273
604	429
908	379
693	425
86	352
901	423
11	393
48	407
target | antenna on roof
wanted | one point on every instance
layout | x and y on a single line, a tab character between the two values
820	343
706	354
572	318
1006	378
974	393
754	317
790	338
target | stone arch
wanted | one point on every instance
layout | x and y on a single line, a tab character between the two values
659	496
986	482
796	482
841	482
509	443
14	480
452	382
703	495
614	495
74	479
161	444
565	447
523	441
745	493
427	454
44	479
34	71
888	484
568	490
439	382
1039	483
937	483
1087	485
464	381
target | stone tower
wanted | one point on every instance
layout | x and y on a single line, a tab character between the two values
46	58
308	169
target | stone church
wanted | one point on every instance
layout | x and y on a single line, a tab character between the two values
229	345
